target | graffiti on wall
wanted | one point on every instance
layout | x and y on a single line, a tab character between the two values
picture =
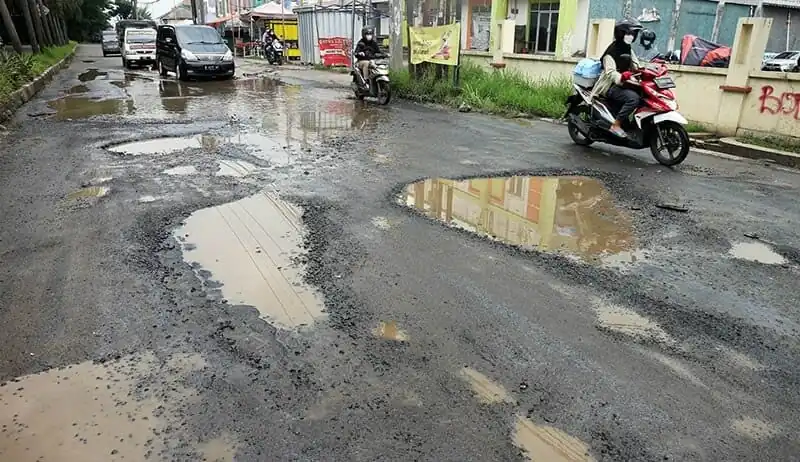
787	103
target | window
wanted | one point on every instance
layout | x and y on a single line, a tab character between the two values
201	34
543	27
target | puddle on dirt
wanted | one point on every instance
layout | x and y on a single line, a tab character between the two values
572	215
79	107
248	246
548	444
166	145
390	331
91	74
91	411
236	168
181	170
488	391
753	428
628	322
90	192
78	89
757	252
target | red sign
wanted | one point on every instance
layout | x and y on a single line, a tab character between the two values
335	51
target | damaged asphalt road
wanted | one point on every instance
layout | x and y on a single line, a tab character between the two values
267	269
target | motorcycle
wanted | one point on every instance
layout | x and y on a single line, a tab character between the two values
274	52
656	125
376	84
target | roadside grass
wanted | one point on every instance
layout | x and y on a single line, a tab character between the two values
17	70
502	92
694	127
781	143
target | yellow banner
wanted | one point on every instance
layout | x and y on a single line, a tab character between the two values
439	45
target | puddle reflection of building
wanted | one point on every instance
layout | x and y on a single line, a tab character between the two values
574	214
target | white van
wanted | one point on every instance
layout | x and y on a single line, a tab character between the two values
139	47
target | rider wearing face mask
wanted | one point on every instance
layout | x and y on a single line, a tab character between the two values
366	49
619	62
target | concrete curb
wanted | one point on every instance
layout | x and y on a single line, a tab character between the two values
736	148
26	93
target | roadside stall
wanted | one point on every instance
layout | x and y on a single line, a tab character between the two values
281	19
233	30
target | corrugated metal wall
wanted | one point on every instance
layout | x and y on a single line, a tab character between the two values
324	23
777	35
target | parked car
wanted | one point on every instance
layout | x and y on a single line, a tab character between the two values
767	57
191	50
110	43
783	62
139	47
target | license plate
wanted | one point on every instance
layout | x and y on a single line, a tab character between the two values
211	68
664	82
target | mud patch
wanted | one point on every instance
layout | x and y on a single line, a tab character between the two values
757	252
626	321
181	170
92	411
571	215
167	145
548	444
753	428
79	107
88	193
488	391
248	247
91	74
390	331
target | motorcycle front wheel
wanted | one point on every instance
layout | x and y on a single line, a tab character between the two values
384	92
671	147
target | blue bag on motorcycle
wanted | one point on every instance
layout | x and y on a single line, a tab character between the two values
586	72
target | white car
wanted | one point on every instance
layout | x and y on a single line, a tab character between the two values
139	47
786	61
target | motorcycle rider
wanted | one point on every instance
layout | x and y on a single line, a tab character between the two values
267	37
619	62
366	50
647	50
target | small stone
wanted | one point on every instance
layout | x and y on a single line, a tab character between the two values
464	107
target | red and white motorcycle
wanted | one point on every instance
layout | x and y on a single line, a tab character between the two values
656	124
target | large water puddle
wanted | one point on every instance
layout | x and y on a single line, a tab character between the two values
571	215
757	252
89	411
248	247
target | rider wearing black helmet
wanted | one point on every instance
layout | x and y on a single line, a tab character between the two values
618	63
646	50
366	49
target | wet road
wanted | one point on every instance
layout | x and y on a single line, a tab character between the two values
267	269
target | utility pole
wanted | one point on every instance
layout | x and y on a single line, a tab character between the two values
135	9
194	11
396	34
410	5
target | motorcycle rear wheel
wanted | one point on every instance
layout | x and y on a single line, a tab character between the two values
676	144
575	134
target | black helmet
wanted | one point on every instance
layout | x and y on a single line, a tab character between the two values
647	38
367	30
628	26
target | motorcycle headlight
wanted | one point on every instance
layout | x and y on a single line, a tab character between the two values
188	55
228	56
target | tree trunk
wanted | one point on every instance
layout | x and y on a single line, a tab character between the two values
48	30
37	23
65	29
26	13
57	29
9	26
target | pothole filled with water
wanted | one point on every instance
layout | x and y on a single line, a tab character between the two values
91	74
79	107
167	145
757	252
571	215
248	246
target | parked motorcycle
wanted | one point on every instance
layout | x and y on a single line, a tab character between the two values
376	84
656	125
274	52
